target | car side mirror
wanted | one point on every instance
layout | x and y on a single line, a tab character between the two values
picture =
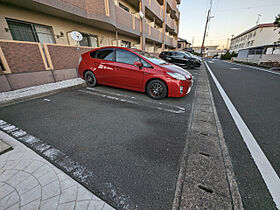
139	64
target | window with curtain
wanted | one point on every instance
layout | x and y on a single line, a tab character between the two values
89	40
24	31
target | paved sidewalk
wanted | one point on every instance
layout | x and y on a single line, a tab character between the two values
27	181
15	96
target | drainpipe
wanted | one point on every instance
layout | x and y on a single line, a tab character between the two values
117	37
164	25
142	18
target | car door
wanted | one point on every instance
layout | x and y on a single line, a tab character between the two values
169	57
126	74
103	64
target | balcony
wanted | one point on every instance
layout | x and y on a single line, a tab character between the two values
167	40
155	8
174	9
126	21
170	41
171	23
152	33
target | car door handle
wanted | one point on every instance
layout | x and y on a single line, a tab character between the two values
117	68
95	63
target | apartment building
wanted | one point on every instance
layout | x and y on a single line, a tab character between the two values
209	51
150	25
257	36
183	44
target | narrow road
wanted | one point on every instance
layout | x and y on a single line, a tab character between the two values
255	95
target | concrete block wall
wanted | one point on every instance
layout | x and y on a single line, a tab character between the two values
64	56
27	63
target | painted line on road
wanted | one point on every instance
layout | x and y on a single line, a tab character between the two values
210	62
237	69
268	173
132	97
252	67
106	92
173	109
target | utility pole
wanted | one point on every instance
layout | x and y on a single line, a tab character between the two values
228	43
258	20
205	30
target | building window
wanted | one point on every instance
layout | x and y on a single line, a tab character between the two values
123	7
179	45
126	44
24	31
89	40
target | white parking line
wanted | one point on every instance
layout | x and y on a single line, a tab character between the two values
252	67
235	69
103	91
210	62
269	175
159	105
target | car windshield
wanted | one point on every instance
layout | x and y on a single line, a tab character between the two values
189	54
153	59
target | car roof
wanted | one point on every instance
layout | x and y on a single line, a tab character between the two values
123	48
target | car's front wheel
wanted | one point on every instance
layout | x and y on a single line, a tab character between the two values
90	79
157	89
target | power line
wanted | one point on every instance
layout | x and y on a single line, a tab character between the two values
215	10
232	9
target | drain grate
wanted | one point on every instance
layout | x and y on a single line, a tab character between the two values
204	154
206	189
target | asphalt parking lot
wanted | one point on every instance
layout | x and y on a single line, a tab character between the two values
131	144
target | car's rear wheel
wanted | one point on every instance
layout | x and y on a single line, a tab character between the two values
157	89
90	79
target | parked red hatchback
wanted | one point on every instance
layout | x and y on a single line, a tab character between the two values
135	70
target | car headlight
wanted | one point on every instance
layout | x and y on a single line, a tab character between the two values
177	76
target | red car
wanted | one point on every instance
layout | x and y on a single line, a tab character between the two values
135	70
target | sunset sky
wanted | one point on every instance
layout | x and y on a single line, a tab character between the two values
231	18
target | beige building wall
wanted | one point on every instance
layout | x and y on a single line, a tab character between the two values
105	38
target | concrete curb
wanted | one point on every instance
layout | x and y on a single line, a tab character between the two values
181	176
206	179
235	195
39	95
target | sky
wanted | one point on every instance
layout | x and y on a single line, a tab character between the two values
231	17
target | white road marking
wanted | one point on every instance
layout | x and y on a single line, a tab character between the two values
210	62
252	67
103	91
132	97
235	68
173	109
268	173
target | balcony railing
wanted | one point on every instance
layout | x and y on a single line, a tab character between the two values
173	6
126	20
152	33
170	41
155	7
